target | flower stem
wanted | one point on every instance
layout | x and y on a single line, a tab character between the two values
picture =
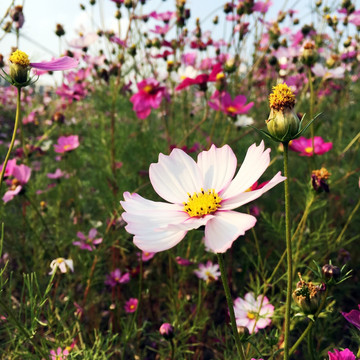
289	254
311	109
17	116
231	307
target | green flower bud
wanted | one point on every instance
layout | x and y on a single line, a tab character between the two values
19	66
283	123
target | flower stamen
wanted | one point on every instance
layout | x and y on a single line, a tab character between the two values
202	203
20	58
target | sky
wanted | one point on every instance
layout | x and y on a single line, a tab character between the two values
41	16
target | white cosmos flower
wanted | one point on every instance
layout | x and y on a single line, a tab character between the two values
62	264
198	193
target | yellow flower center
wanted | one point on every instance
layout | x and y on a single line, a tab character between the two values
209	275
132	307
148	88
281	98
20	58
220	76
309	149
66	147
202	203
231	109
60	260
251	315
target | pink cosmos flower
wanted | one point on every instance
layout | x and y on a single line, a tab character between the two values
201	79
145	255
353	317
66	143
21	176
201	193
59	354
87	242
131	305
262	6
10	166
253	314
167	331
149	96
183	262
304	146
164	16
56	175
223	102
345	354
208	272
116	277
161	30
322	71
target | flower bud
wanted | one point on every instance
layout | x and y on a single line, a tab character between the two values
59	31
244	333
167	331
331	272
309	54
318	180
308	296
283	123
19	66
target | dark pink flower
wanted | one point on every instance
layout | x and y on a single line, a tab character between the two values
116	277
223	102
118	41
346	354
183	262
131	305
353	317
167	330
66	143
87	242
148	97
145	255
305	148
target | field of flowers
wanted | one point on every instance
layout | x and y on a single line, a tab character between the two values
179	193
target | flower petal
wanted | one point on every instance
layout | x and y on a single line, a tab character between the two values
149	221
225	228
175	175
218	167
63	63
255	163
245	197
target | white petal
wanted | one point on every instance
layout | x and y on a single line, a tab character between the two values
255	163
149	221
156	241
217	166
245	197
225	228
175	175
263	323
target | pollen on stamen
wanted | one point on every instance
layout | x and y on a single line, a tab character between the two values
202	203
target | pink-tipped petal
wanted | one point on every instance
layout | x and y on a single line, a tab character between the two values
245	197
225	228
175	175
218	167
63	63
255	163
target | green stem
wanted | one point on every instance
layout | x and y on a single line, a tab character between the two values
289	254
310	345
17	116
231	307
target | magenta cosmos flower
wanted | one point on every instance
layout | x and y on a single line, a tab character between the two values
66	143
131	305
116	277
87	242
223	102
353	317
345	354
199	193
305	148
253	313
148	97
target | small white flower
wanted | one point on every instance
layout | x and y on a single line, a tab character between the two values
243	120
208	272
62	264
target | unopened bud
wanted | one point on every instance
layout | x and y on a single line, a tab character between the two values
331	272
167	331
309	54
59	31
